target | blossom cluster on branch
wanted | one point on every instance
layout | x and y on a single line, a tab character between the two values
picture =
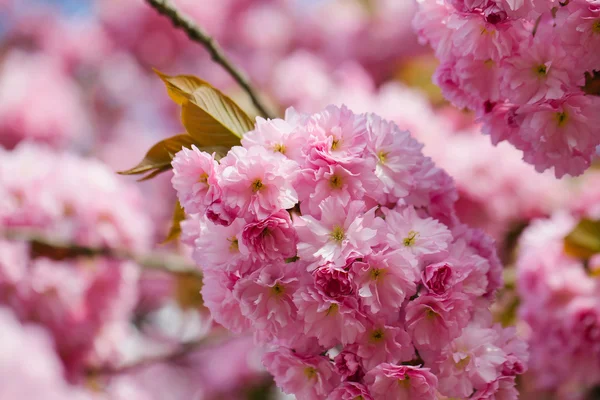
523	67
335	241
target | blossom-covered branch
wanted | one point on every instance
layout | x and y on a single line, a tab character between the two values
43	246
198	35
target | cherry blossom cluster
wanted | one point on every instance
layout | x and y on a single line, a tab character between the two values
64	198
560	300
521	66
335	241
497	190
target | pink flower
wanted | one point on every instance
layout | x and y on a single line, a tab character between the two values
217	294
265	298
437	278
330	180
277	136
256	181
333	281
30	367
220	213
561	134
336	135
503	388
194	179
220	247
271	238
384	281
539	71
472	34
416	236
384	344
433	321
341	232
397	154
350	391
307	377
348	366
405	382
329	320
472	362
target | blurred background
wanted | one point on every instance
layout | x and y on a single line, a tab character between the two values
79	101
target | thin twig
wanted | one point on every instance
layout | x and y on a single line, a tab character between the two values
43	246
197	34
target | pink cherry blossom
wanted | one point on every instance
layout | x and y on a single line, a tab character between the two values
350	391
256	181
332	281
384	344
271	238
341	232
329	320
308	377
348	366
223	246
433	321
398	155
194	179
416	236
384	281
393	382
266	297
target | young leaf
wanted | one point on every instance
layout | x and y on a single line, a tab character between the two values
158	158
180	87
584	240
214	119
592	83
178	216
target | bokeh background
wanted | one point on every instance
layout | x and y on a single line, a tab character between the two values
79	101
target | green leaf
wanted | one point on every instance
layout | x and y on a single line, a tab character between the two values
592	83
175	230
158	158
584	240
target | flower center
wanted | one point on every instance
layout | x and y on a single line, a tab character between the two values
203	178
257	185
310	372
278	289
404	382
411	238
430	314
335	182
382	155
541	70
561	118
234	246
279	148
376	273
596	27
462	364
338	234
332	310
335	144
377	335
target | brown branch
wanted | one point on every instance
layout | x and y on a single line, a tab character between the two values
181	350
44	247
198	35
